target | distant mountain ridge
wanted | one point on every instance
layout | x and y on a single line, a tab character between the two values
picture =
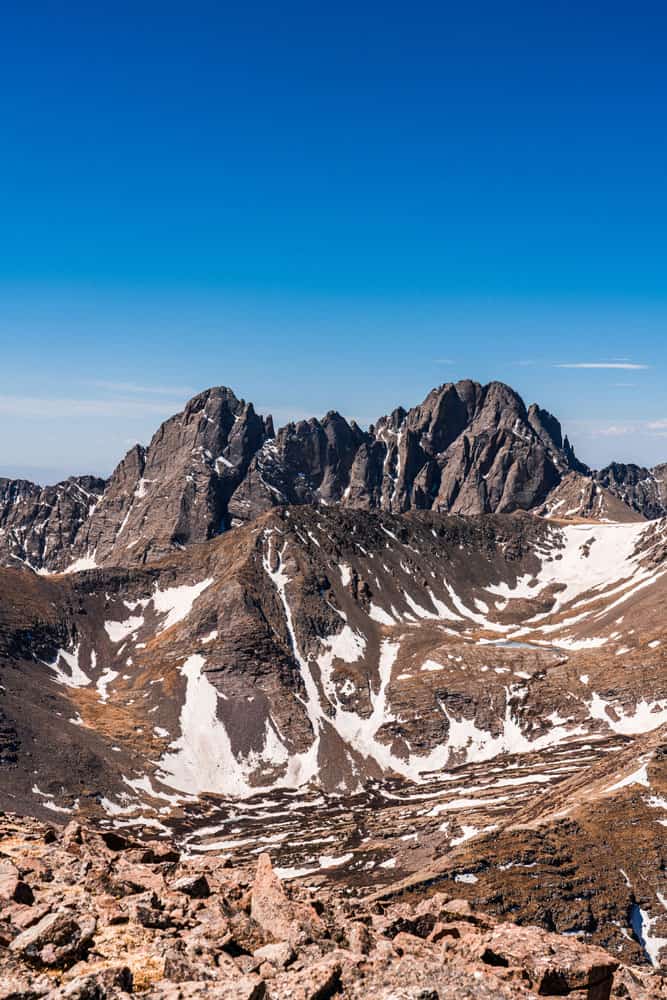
466	449
645	490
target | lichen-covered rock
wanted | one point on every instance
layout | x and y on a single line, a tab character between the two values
195	886
415	948
111	983
553	964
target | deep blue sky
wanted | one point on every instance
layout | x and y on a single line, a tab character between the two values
329	206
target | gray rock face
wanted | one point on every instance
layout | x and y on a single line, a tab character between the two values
307	462
176	491
173	492
469	449
466	449
644	490
579	496
38	523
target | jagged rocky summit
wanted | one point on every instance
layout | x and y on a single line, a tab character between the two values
467	449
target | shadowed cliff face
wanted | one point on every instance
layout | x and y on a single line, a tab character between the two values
173	492
39	525
466	449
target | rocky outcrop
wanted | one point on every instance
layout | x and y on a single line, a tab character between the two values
579	497
643	490
466	449
470	449
307	462
12	888
277	915
58	939
176	490
39	525
89	935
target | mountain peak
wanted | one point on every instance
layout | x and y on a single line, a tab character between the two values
466	448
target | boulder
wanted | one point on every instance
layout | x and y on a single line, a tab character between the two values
101	984
283	918
17	982
553	964
244	988
59	939
319	981
279	954
195	886
12	888
359	938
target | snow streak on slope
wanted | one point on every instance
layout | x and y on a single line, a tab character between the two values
176	602
646	716
357	733
74	676
586	558
479	744
202	759
369	698
582	558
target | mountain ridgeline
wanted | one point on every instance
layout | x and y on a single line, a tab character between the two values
417	661
466	449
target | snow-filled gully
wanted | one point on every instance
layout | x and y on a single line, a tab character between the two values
456	782
202	758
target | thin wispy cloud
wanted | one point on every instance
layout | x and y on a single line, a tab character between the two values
637	428
624	365
614	430
133	387
53	408
443	361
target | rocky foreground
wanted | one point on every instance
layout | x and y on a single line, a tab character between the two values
86	915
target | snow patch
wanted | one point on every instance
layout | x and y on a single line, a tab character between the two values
118	631
176	602
76	676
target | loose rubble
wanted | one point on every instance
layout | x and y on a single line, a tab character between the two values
109	917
